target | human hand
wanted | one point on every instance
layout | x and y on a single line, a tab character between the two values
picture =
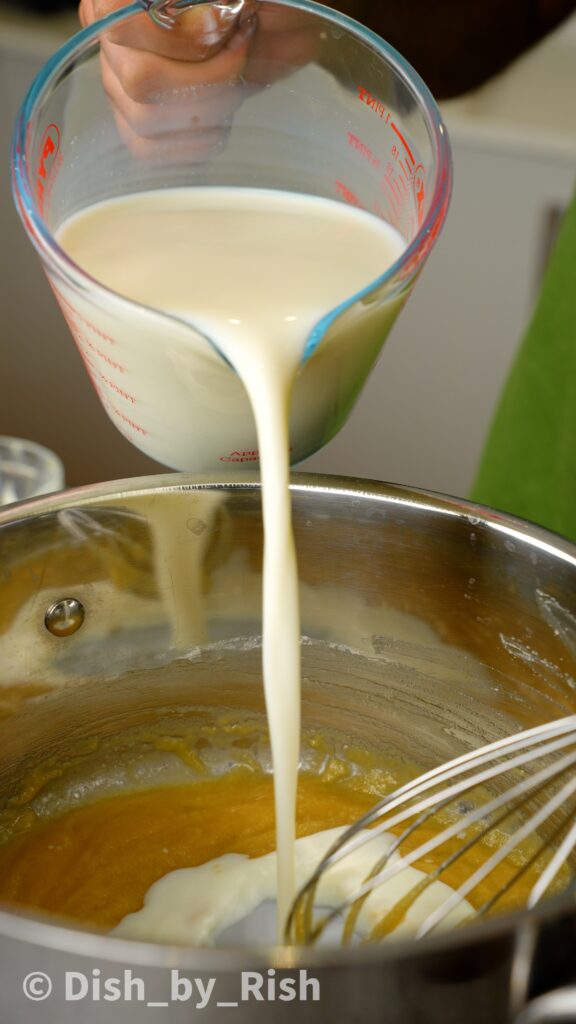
181	86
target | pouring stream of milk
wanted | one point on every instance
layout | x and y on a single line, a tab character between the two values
254	270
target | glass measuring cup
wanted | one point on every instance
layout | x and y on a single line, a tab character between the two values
320	106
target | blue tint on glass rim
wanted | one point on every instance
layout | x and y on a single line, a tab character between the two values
414	253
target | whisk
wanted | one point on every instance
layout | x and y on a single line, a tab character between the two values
518	790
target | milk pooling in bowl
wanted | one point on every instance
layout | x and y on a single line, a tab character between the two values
255	271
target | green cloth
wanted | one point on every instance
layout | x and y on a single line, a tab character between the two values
529	463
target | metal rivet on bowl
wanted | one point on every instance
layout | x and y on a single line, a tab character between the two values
63	618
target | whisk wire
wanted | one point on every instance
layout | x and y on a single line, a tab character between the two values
467	761
530	864
380	930
353	839
525	830
392	870
553	868
421	800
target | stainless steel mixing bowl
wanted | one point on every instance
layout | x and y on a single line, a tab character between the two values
430	626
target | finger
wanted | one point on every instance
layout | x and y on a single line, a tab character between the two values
286	39
86	13
197	34
199	108
172	148
146	77
282	19
275	54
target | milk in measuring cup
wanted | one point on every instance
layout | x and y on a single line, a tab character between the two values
273	259
254	272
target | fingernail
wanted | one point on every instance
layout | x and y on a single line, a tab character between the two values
208	22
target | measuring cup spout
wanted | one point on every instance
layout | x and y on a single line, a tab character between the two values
165	12
372	295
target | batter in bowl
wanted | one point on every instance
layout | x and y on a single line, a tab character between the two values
196	857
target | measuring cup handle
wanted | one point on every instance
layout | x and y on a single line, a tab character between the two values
165	12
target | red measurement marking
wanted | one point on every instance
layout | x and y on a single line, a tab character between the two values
249	456
394	207
419	187
395	204
363	149
126	419
90	368
78	337
103	355
73	312
93	377
97	331
404	143
48	163
347	194
393	186
387	188
85	357
120	391
375	104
